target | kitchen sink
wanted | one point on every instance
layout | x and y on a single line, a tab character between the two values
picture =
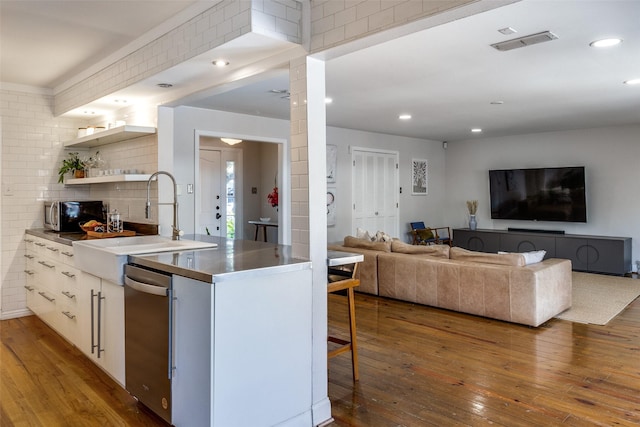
106	258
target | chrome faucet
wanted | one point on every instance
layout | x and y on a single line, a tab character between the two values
175	235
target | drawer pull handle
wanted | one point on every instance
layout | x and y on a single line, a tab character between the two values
70	275
45	264
28	240
29	272
40	244
43	295
52	249
68	294
69	315
29	288
69	254
29	256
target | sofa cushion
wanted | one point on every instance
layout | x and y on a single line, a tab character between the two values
531	257
460	254
354	242
440	251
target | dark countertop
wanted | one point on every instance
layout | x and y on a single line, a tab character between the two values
232	259
240	258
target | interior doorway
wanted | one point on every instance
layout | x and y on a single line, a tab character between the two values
232	184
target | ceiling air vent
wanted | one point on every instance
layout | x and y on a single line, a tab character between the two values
529	40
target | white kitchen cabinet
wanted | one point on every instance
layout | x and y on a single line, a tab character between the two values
45	268
101	310
62	296
238	341
32	274
68	304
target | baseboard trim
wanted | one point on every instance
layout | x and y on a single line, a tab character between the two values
6	315
321	411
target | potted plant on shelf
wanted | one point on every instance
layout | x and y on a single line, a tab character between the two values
72	164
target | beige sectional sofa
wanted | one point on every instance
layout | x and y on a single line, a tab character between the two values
490	285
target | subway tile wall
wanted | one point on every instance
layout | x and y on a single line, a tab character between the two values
32	148
334	22
227	20
129	198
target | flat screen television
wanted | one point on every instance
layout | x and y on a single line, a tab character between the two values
541	194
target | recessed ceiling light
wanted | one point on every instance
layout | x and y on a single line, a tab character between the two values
497	102
404	116
164	85
476	130
231	141
220	63
328	100
605	42
632	82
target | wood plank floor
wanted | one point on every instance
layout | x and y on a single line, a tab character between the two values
419	366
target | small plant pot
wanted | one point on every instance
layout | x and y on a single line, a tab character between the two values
78	174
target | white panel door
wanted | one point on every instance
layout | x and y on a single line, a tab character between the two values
211	215
374	192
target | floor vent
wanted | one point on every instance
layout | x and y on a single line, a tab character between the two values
524	41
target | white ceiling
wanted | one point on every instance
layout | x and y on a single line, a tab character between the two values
446	77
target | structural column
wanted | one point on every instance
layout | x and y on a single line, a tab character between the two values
308	207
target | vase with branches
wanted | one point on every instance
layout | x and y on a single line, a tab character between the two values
472	206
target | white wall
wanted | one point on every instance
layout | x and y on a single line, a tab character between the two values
610	155
427	208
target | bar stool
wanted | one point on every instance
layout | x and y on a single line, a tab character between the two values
342	279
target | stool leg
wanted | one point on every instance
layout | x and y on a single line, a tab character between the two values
264	232
352	329
256	236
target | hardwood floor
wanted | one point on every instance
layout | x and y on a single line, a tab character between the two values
422	366
45	381
419	366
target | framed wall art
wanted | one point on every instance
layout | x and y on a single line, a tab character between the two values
419	177
332	163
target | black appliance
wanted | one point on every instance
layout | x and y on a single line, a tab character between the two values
67	215
539	194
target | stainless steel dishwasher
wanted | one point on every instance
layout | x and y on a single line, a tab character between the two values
148	305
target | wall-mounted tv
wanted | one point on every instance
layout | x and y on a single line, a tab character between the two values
541	194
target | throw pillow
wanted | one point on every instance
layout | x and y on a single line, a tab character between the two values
425	234
531	257
460	254
381	236
354	242
363	234
439	251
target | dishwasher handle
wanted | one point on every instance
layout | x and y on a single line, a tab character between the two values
146	288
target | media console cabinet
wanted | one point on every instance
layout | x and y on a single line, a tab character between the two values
596	254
